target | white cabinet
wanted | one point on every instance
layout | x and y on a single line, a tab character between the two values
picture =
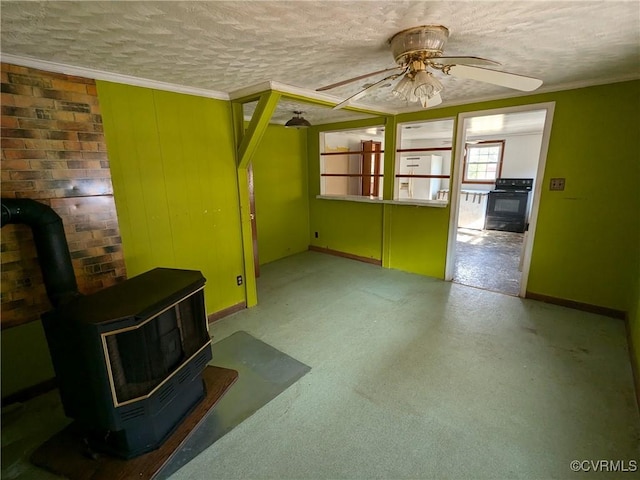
411	184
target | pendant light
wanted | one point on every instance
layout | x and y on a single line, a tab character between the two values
297	121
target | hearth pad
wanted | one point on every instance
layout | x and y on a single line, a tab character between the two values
264	371
65	453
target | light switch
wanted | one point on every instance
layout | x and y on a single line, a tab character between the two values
557	184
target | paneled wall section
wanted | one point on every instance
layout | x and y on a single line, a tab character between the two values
282	204
175	182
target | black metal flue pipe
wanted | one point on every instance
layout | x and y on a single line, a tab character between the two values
51	245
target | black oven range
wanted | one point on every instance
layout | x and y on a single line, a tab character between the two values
508	205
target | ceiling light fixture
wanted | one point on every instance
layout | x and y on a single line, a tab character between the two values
418	85
419	49
297	121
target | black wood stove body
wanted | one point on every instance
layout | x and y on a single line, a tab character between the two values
129	359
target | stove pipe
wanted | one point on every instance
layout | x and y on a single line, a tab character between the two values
51	245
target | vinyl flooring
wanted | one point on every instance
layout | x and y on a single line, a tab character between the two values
411	378
489	259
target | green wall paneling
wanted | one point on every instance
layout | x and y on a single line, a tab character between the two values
131	111
282	204
587	236
25	346
346	226
175	185
417	239
349	227
634	326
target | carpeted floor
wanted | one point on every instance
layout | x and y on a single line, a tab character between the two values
489	259
416	378
264	373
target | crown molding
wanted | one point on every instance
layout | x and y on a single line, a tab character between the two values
109	76
586	83
250	90
517	94
284	88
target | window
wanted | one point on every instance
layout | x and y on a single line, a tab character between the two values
351	163
483	161
423	162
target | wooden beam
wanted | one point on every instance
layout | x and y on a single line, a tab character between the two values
247	142
258	125
329	103
237	116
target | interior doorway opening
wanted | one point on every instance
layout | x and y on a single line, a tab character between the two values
500	164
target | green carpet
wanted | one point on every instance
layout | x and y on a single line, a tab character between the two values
264	373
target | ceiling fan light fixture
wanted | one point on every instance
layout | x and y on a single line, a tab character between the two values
297	121
425	41
426	85
419	87
418	49
403	88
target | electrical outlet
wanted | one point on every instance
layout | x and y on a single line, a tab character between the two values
557	184
316	234
239	279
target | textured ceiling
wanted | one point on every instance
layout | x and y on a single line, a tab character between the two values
225	46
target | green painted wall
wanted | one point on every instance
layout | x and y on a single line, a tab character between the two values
175	185
588	235
282	206
634	327
26	346
414	244
350	227
587	238
174	175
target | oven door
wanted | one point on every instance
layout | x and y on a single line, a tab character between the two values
507	211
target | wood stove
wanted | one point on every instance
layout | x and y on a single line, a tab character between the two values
129	359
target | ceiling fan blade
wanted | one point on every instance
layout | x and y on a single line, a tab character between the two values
355	79
364	91
463	61
505	79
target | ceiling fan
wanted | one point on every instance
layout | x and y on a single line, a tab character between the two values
418	50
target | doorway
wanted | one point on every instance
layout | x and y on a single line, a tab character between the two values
499	167
371	156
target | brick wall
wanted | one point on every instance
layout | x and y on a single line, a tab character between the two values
53	151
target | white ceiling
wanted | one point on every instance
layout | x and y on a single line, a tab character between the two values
226	46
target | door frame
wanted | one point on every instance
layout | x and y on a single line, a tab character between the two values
456	185
371	154
254	222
